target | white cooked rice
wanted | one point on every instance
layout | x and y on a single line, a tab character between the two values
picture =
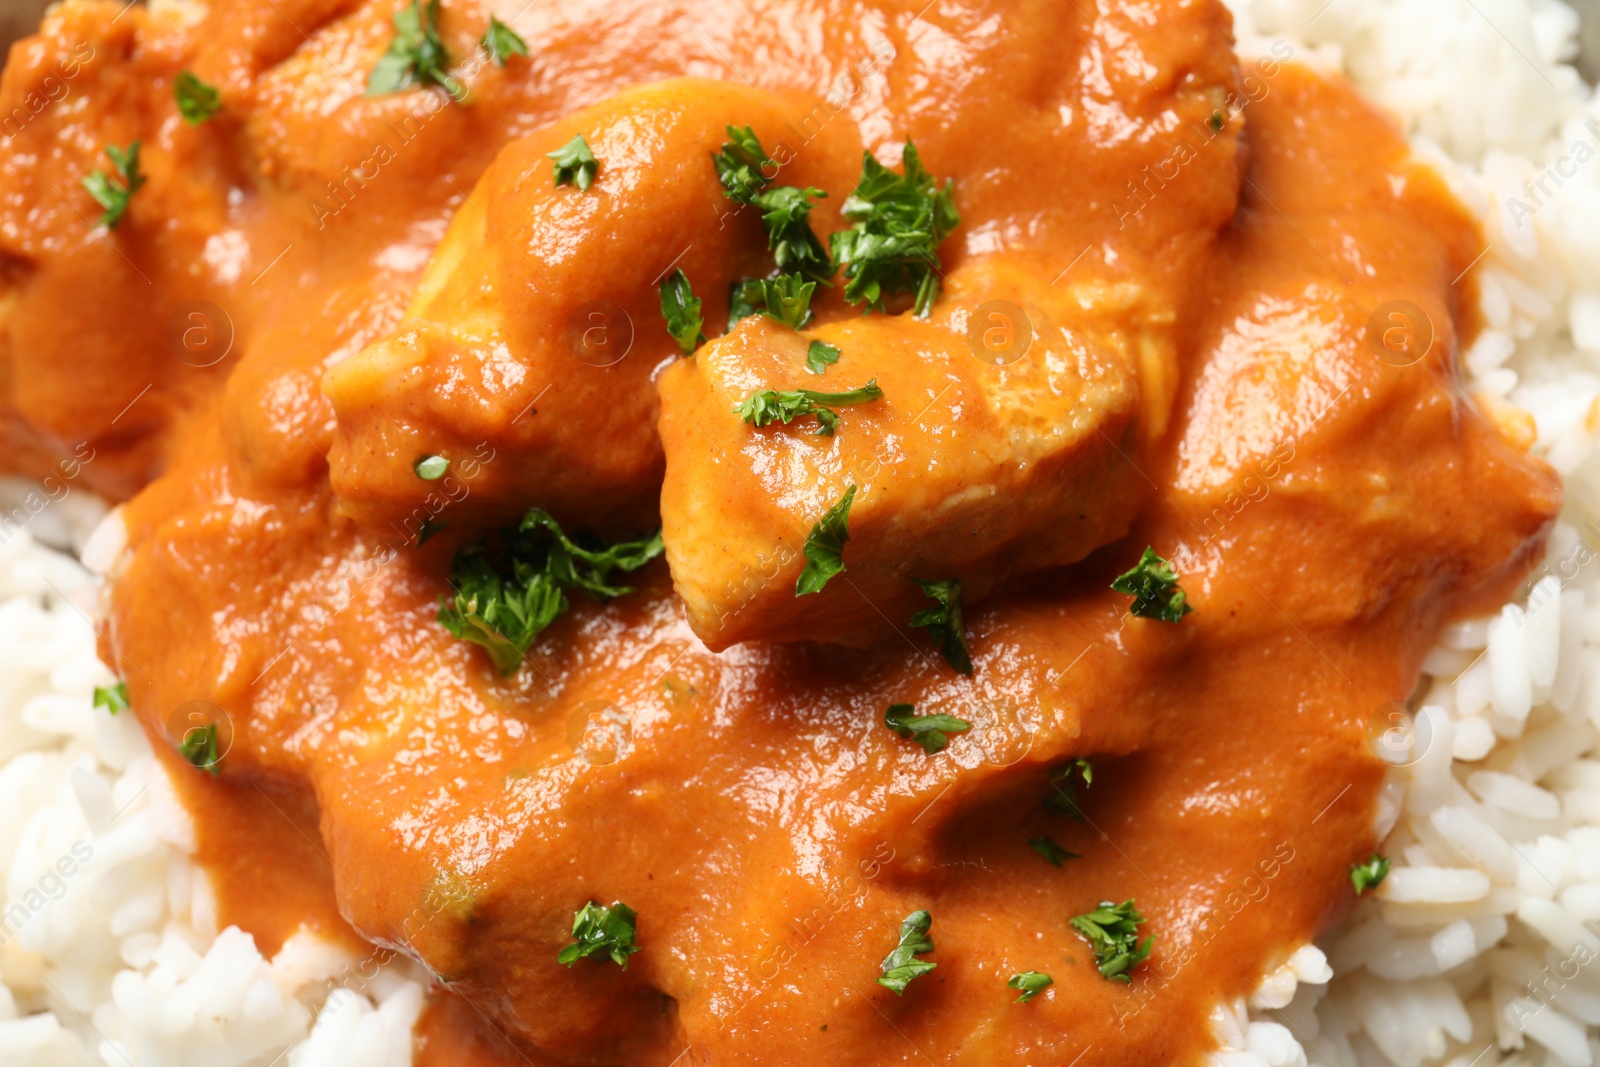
109	951
1483	944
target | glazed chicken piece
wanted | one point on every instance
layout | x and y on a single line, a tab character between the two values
1013	419
536	329
976	463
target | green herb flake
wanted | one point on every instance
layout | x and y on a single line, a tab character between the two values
742	165
431	468
1113	931
769	406
901	966
113	193
820	356
787	299
930	731
199	747
824	548
746	297
944	622
786	213
113	698
596	928
1369	875
681	308
899	221
1215	122
575	164
1031	983
504	602
1051	851
416	56
197	101
1153	584
745	170
502	42
1063	799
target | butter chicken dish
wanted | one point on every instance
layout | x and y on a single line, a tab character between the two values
724	533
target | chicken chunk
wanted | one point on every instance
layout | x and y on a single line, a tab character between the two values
536	330
978	462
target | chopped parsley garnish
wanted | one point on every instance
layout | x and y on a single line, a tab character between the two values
431	468
899	221
416	56
901	966
932	732
746	297
502	42
824	549
1153	584
1369	875
770	405
681	308
1051	851
199	747
944	622
197	101
1032	983
113	698
786	212
111	193
576	165
787	299
1215	122
742	165
1063	800
597	928
1113	930
819	356
504	602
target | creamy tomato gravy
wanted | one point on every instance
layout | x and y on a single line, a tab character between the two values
1327	510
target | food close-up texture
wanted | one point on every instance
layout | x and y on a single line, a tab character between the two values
968	532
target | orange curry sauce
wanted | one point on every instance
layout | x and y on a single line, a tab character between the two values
1328	510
